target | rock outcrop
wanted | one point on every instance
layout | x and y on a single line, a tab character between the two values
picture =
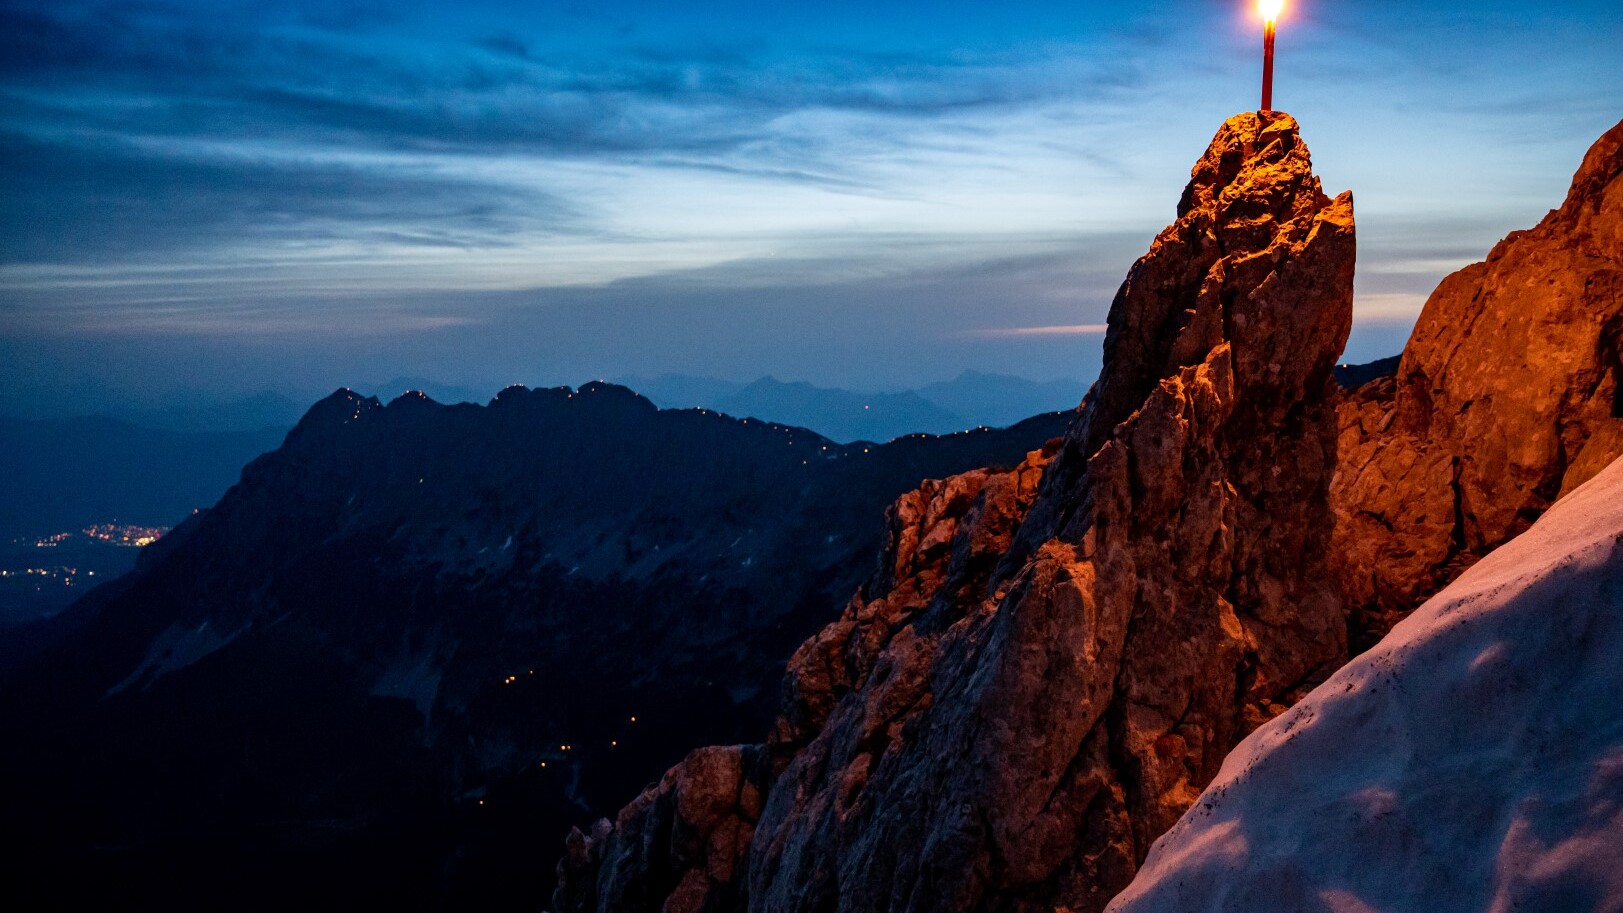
1028	696
1472	762
1507	397
679	848
1021	748
946	536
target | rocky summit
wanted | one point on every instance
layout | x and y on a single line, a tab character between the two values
1048	670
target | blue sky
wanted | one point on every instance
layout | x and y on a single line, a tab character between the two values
233	195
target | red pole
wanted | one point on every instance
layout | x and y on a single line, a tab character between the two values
1268	66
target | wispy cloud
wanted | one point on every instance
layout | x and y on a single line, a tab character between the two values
163	133
971	180
1082	329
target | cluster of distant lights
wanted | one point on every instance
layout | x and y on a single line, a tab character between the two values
112	533
121	535
67	575
126	535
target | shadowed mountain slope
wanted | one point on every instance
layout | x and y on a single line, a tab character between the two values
405	651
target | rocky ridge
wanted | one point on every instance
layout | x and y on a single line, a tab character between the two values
1009	725
418	641
1507	397
943	539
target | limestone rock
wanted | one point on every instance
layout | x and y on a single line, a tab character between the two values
1018	745
1507	397
944	541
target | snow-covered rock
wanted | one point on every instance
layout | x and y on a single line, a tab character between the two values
1472	761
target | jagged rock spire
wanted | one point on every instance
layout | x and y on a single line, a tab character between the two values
1043	677
1168	591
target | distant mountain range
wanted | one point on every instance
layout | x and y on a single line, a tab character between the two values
154	461
181	453
972	399
969	400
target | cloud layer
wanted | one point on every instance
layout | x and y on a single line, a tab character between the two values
309	173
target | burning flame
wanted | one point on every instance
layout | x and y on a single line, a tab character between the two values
1270	9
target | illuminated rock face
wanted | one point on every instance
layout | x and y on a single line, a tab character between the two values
942	540
1020	749
1506	398
1010	714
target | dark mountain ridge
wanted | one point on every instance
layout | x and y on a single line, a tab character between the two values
416	641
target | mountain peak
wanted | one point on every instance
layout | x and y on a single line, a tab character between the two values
340	407
1600	170
1049	670
603	390
1251	150
1259	262
412	399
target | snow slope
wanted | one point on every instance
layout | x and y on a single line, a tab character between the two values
1472	761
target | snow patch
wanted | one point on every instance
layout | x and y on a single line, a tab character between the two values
1472	761
176	648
